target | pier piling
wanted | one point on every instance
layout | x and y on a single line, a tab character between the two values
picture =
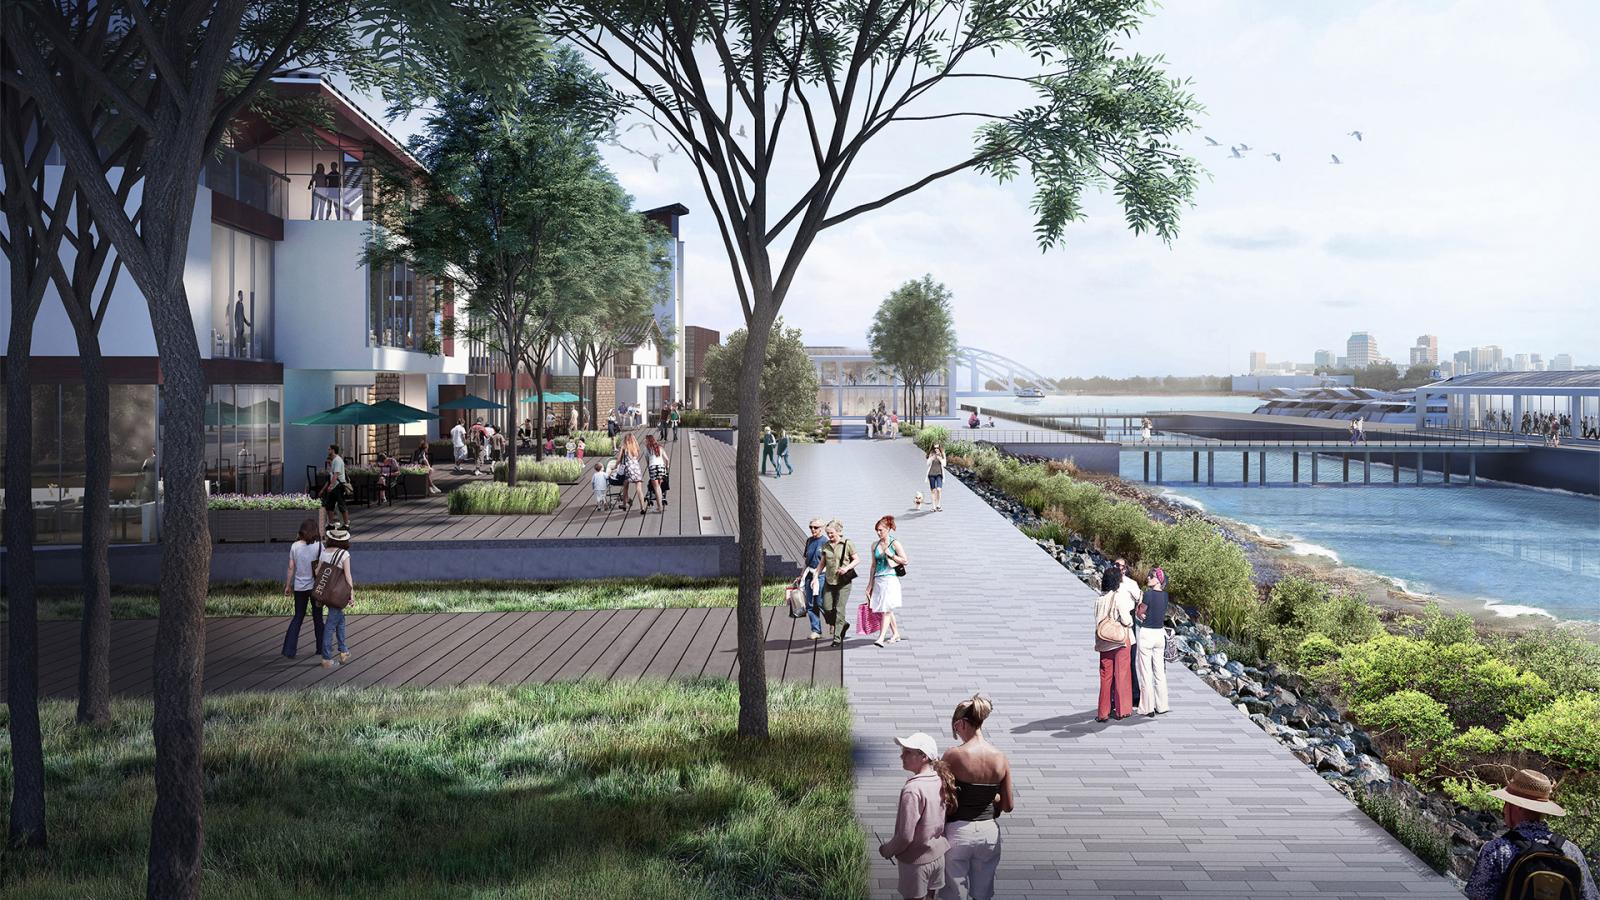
1472	470
1295	474
1197	467
1147	466
1345	457
1419	468
1158	467
1246	456
1394	463
1366	468
1211	467
1261	468
1313	468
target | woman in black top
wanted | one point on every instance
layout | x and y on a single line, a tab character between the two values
983	793
1150	615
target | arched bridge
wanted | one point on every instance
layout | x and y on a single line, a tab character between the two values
980	366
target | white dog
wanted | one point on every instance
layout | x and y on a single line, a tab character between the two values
916	500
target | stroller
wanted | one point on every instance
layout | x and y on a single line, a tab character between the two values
616	487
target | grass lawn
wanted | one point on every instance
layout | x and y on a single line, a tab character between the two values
267	599
563	791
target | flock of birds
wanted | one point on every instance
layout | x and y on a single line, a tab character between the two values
1237	151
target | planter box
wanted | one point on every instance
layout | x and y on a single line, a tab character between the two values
284	524
232	526
416	486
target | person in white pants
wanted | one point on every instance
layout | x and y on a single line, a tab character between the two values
1152	641
983	793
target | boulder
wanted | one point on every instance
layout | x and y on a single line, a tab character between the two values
1304	756
1329	758
1234	667
1218	659
1369	772
1250	688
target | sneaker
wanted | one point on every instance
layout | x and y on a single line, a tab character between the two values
330	664
815	636
344	657
880	642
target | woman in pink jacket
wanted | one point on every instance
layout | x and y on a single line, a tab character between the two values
919	844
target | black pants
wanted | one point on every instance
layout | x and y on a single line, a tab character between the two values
291	641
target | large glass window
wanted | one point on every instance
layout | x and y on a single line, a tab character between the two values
241	294
407	309
244	451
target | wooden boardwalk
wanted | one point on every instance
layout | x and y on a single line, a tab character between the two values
436	650
784	539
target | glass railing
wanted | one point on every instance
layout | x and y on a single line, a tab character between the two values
250	183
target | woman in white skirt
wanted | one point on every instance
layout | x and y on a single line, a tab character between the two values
883	590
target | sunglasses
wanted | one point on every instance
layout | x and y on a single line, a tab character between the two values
816	527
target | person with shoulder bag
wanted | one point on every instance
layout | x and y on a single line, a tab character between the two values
1113	636
839	570
335	589
298	583
883	584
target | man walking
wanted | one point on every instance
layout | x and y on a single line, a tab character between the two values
769	447
782	453
1530	860
458	444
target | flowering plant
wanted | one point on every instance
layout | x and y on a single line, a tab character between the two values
261	501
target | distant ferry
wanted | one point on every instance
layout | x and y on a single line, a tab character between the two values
1029	393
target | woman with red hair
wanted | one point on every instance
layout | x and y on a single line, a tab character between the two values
883	588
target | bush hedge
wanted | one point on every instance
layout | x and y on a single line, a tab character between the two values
497	498
595	443
556	471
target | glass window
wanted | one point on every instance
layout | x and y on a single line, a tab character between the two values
241	292
407	309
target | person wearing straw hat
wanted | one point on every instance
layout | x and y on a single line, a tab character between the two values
1530	860
919	845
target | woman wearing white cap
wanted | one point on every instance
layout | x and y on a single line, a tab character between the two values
1530	856
919	844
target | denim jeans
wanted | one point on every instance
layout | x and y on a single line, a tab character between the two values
333	631
813	604
291	641
783	458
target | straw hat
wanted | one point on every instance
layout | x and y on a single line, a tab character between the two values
337	533
1531	790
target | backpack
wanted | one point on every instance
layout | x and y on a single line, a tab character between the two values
1540	871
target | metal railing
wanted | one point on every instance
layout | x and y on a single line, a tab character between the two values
1130	440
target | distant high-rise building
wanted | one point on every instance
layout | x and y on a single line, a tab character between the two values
1463	362
1446	368
1428	344
1536	362
1322	359
1486	358
1258	362
1362	349
1341	362
1561	362
1419	356
1519	363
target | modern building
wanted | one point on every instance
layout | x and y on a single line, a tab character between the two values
1486	358
1348	402
1323	359
1536	362
1361	350
1258	362
852	383
698	342
669	304
1428	345
1519	363
1561	362
1463	362
1341	362
1478	400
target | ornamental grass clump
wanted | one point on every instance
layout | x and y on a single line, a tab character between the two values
261	501
596	443
482	498
556	471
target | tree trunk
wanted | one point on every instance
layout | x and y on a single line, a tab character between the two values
538	411
27	827
511	442
178	723
94	659
752	554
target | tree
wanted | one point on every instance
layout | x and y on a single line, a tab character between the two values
506	186
914	333
630	262
723	82
788	379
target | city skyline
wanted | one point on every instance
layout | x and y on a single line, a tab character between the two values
1444	354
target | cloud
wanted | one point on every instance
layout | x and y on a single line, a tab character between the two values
1392	247
1272	239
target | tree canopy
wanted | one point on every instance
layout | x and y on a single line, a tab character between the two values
788	378
914	333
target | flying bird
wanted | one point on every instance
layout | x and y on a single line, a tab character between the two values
1236	153
1243	146
1356	135
740	132
655	160
1336	160
1210	142
1276	157
645	125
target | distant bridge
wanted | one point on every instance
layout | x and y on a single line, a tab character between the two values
982	366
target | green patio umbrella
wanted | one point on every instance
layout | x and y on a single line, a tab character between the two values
470	401
395	406
548	398
567	397
355	413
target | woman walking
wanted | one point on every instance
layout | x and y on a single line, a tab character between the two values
297	583
336	553
883	588
918	846
983	792
632	467
1150	615
1144	430
839	569
656	456
1113	635
935	461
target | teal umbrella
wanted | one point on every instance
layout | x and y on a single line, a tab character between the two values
548	398
567	397
395	406
355	413
470	401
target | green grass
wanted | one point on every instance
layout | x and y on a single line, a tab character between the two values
596	443
570	790
267	598
485	498
558	471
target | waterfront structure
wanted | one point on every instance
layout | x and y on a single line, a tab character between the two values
852	383
1323	359
1479	400
1258	362
1348	402
1361	350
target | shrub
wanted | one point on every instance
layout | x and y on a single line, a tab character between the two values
697	418
1579	793
1049	531
1477	688
1470	793
1567	731
496	498
441	451
933	434
596	443
1439	629
1421	721
962	449
1564	659
1206	570
261	501
1317	649
558	471
416	470
1430	843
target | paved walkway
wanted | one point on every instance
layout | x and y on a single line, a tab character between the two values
1196	803
436	650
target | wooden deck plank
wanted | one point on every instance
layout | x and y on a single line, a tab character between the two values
724	659
452	646
705	628
652	647
593	648
558	655
535	654
523	653
624	645
368	665
386	639
509	632
426	652
135	678
244	663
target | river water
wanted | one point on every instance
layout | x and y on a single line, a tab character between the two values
1508	549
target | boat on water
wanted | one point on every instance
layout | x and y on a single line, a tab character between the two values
1028	393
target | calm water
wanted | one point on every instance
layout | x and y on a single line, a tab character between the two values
1505	548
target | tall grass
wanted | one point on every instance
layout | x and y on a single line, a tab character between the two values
571	790
267	598
556	471
595	443
480	498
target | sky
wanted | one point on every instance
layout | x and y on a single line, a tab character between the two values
1464	211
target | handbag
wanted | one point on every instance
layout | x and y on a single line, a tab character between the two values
332	592
1110	629
867	621
795	598
1171	652
843	575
